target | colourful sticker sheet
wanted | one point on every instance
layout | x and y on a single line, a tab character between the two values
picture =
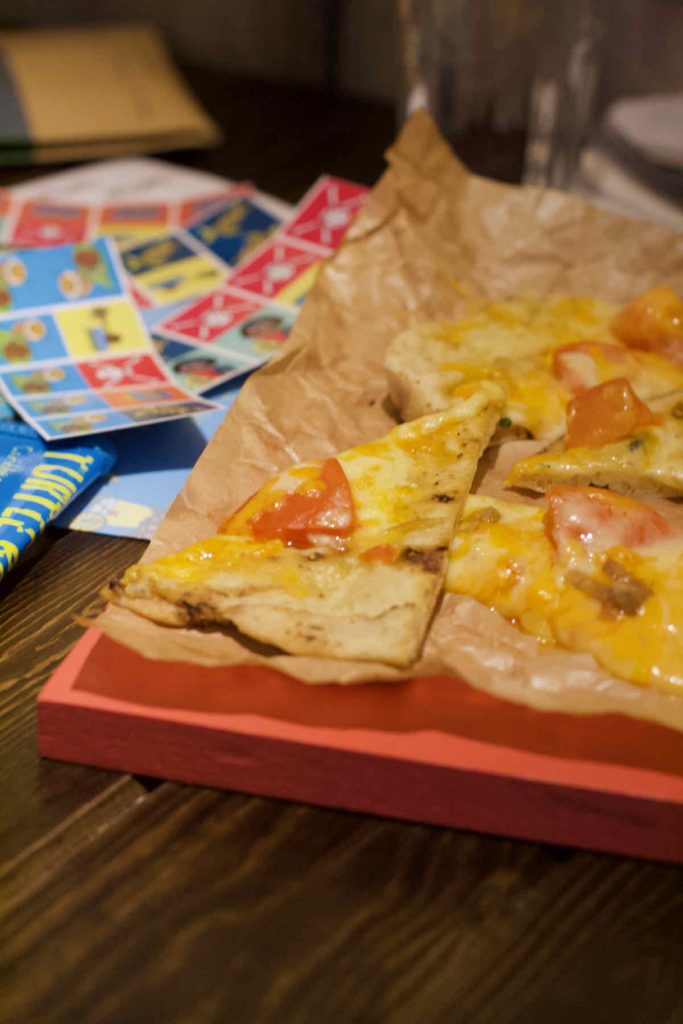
324	214
206	344
75	356
239	325
222	336
173	251
170	268
179	265
282	270
233	228
42	221
199	369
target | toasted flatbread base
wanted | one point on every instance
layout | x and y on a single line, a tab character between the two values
408	490
512	344
352	619
648	462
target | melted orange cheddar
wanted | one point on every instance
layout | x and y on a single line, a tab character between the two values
393	503
589	591
542	352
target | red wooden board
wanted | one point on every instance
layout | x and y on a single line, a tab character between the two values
433	750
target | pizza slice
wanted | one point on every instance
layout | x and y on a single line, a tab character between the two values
613	440
542	352
343	558
596	572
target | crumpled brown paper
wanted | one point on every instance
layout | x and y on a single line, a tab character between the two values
430	239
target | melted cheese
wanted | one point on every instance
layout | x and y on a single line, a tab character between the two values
397	498
199	563
511	566
536	400
512	343
650	459
391	479
524	326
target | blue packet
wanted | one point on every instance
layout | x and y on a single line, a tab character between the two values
38	480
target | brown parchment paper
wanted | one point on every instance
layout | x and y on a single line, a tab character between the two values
429	241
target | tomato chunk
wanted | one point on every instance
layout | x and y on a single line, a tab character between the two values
582	364
600	520
323	506
653	321
606	413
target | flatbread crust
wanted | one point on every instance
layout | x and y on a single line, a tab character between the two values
408	490
512	344
647	462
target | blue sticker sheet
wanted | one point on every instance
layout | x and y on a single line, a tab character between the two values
223	334
85	423
70	331
134	499
233	228
44	380
199	369
258	335
172	267
36	278
29	339
62	405
161	251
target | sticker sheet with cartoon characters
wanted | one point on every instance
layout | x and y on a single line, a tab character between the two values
72	343
215	337
172	250
218	271
239	325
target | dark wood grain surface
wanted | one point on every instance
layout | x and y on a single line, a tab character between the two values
127	900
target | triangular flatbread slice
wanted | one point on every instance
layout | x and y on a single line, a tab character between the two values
540	351
647	461
340	559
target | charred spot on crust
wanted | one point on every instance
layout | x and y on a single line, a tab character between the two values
311	632
197	613
445	498
429	561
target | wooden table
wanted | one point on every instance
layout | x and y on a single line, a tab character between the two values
126	899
